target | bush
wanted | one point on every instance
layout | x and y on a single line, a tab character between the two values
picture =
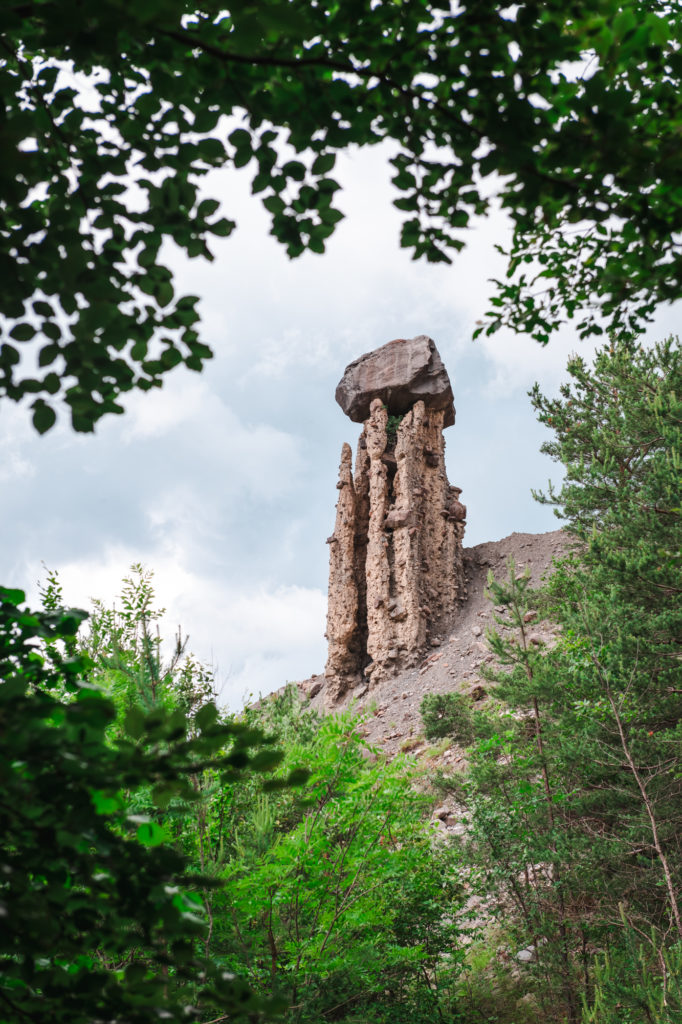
637	984
338	899
447	714
102	919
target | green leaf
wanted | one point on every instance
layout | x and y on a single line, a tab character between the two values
294	169
242	157
222	228
151	834
240	139
324	163
42	308
273	204
22	332
207	207
206	716
44	417
106	803
51	329
163	293
134	723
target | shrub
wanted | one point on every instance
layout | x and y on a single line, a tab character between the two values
447	714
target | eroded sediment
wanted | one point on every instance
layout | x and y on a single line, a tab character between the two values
396	574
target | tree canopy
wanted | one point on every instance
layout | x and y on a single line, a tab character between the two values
102	918
565	112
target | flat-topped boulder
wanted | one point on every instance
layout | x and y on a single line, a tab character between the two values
401	373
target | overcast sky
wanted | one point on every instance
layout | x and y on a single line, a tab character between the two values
224	483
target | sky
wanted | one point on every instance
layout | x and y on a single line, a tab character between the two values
224	483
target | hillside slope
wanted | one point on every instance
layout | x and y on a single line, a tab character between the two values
455	661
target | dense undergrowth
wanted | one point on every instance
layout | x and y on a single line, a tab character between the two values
163	860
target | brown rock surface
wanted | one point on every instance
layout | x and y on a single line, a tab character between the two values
403	372
395	570
342	660
392	701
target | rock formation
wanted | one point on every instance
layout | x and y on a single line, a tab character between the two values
399	373
396	572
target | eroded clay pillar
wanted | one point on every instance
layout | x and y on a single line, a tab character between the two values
396	573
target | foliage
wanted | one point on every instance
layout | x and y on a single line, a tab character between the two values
112	116
126	648
100	918
637	984
446	714
575	801
617	428
392	424
340	900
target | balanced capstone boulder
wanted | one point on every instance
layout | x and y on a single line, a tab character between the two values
401	373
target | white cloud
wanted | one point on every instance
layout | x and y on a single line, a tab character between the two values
253	457
517	362
257	635
15	432
13	466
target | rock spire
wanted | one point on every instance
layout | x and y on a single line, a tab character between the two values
396	575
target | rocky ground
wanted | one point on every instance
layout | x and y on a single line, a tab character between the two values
454	662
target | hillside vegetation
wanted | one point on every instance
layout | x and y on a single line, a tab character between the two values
164	860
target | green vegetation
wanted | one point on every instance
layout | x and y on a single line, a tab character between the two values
114	114
149	866
392	424
575	800
446	714
148	869
175	876
340	901
102	916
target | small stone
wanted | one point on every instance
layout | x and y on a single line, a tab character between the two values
315	689
477	630
398	517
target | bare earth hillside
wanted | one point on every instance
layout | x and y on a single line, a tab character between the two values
454	662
